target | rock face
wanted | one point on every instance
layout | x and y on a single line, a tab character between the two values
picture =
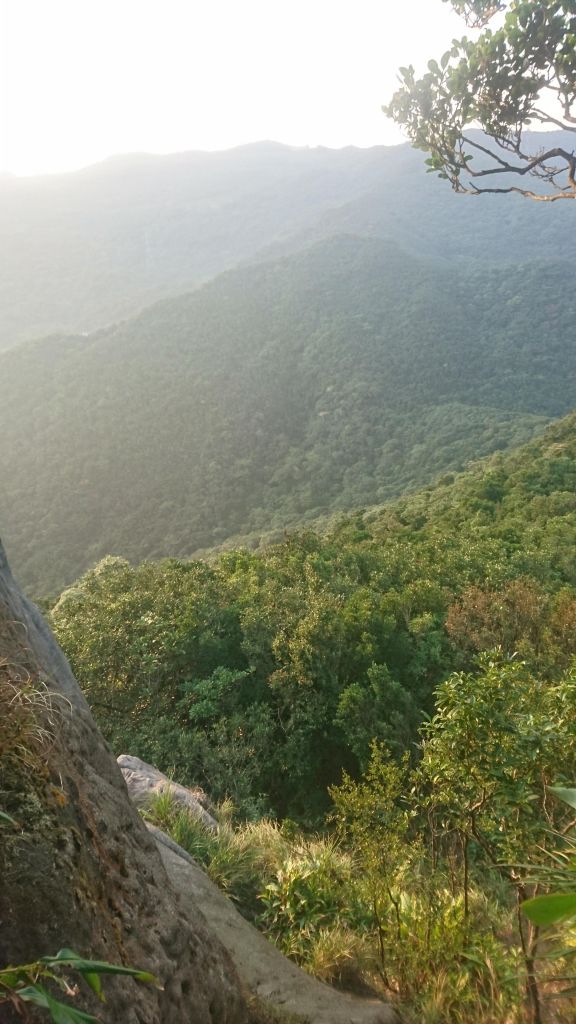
145	782
82	871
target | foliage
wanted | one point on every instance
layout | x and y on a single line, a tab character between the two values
489	754
417	893
501	80
315	900
370	816
26	984
477	803
417	913
263	675
497	741
306	894
341	956
239	860
556	908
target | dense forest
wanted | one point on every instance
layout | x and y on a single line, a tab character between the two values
417	659
263	674
338	377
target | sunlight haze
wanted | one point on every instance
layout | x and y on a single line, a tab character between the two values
82	80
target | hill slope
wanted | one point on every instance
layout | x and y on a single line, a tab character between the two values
334	378
263	674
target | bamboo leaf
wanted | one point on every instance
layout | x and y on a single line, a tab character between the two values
546	910
68	958
59	1012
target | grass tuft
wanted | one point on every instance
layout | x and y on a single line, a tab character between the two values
27	715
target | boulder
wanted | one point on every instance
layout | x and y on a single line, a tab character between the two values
81	869
145	782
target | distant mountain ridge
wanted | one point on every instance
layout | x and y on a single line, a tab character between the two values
249	340
337	377
85	249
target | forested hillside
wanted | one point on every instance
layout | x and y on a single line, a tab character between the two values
263	675
337	377
427	650
82	250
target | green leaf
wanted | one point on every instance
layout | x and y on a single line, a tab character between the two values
546	910
93	980
34	994
567	795
68	958
59	1012
10	977
8	818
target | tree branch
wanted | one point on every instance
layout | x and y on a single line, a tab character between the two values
548	119
539	197
539	161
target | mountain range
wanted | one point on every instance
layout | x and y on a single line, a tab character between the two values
84	249
373	332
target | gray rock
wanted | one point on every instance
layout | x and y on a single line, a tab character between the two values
81	870
145	782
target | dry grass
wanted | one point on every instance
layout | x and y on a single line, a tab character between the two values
27	707
340	956
26	715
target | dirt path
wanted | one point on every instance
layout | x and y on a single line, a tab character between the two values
265	971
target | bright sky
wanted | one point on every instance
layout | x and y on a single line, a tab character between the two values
84	79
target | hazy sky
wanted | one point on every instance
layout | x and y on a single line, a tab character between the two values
82	79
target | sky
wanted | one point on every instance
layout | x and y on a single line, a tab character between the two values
81	80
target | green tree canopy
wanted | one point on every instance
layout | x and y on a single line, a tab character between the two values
518	74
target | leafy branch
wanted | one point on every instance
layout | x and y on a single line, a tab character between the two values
500	82
25	984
